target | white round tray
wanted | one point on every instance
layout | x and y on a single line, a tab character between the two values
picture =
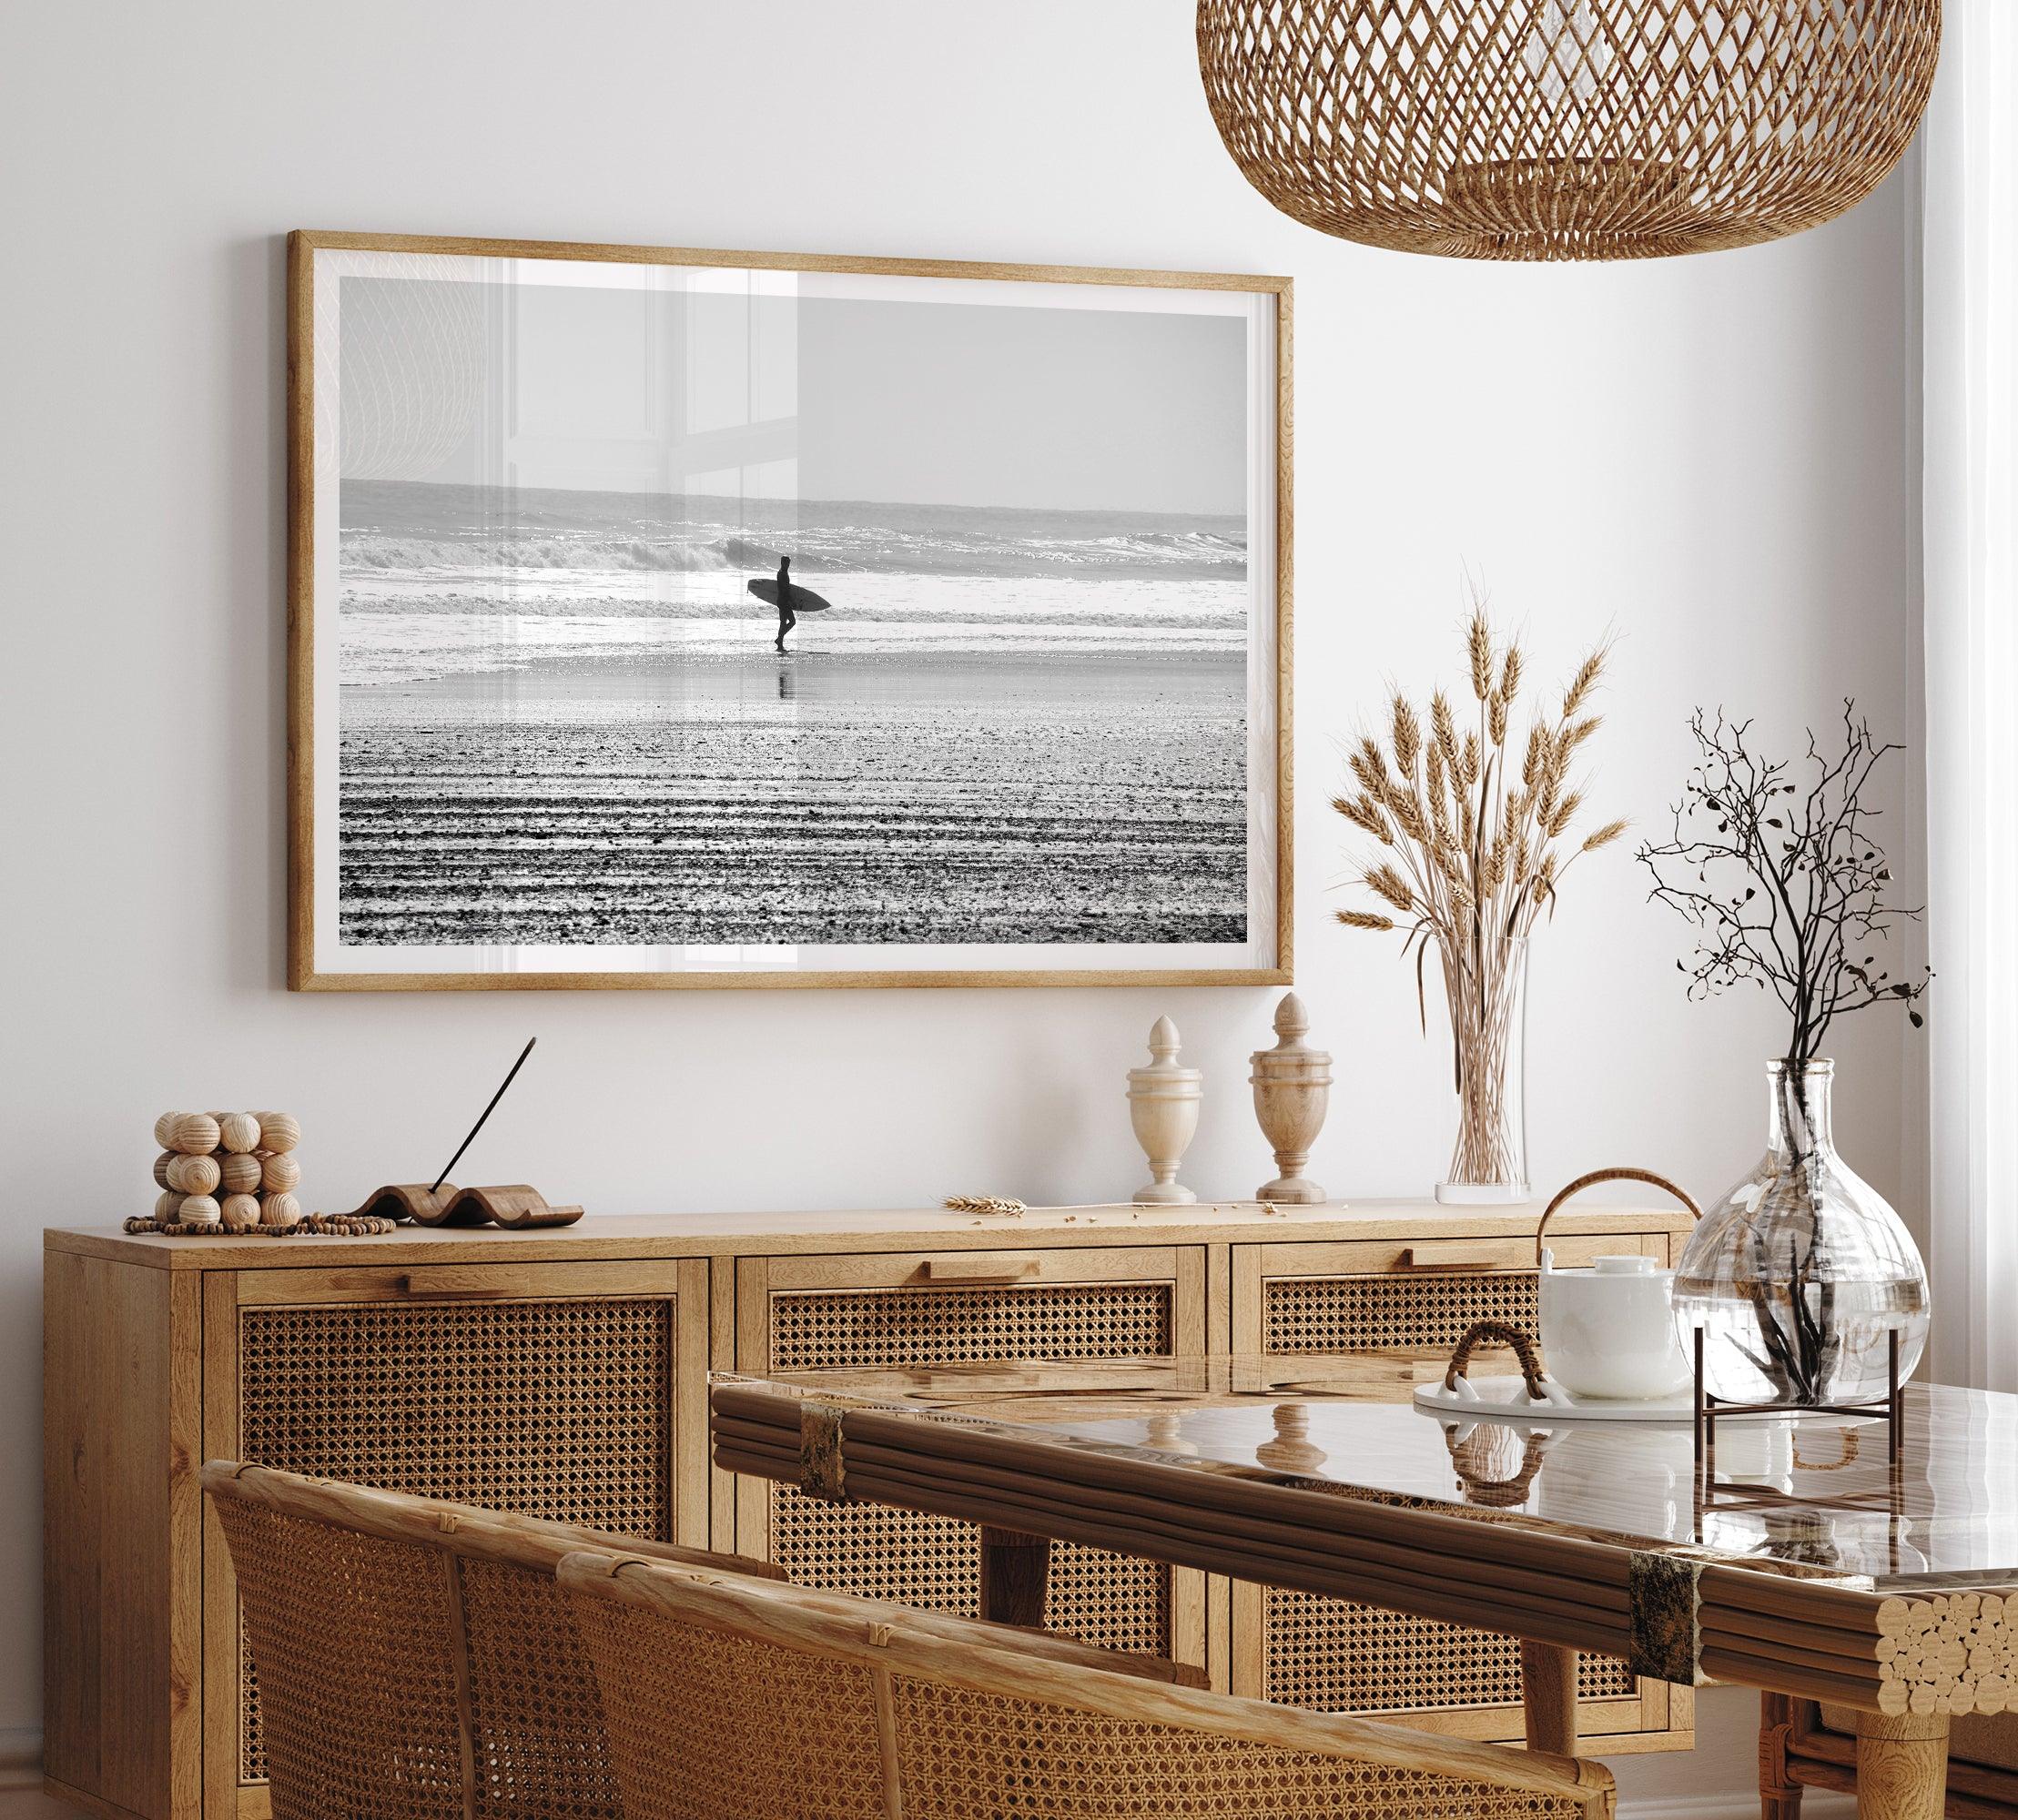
1507	1399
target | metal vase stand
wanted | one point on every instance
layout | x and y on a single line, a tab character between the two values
1710	1492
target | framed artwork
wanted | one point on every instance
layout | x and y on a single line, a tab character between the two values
664	618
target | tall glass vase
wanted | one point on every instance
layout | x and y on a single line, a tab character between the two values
1800	1275
1485	992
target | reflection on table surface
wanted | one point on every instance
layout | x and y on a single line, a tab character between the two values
1813	1490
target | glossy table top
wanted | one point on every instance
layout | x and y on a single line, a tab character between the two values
1814	1491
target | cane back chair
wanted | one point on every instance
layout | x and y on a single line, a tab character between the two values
730	1697
415	1658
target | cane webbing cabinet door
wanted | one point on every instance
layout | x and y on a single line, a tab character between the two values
570	1390
794	1313
1404	1306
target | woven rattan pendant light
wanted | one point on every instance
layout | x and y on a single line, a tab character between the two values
1567	129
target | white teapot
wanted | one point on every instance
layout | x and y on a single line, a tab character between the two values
1610	1331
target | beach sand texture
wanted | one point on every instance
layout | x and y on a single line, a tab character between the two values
1006	732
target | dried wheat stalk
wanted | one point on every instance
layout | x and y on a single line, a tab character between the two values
1475	847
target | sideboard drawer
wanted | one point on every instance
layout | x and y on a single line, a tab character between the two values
1406	1304
572	1390
1415	1297
924	1308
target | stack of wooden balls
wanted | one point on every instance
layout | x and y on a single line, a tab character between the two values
237	1169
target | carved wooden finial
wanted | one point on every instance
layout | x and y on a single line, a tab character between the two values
1292	1090
1291	1021
1162	1106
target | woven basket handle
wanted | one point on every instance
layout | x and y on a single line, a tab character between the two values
1847	1440
1497	1493
1591	1181
1525	1349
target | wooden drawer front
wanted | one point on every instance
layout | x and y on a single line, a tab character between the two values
940	1326
1413	1312
1413	1297
457	1384
1042	1305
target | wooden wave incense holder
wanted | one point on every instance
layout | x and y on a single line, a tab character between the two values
411	1200
513	1205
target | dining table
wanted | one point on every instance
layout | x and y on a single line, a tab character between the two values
1868	1563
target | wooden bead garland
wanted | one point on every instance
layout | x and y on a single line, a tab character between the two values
342	1225
232	1172
319	1225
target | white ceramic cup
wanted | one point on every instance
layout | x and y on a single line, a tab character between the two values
1610	1331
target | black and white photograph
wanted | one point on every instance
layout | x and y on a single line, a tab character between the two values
706	620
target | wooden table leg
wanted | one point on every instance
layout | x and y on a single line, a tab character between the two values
1901	1766
1548	1692
1015	1568
1778	1794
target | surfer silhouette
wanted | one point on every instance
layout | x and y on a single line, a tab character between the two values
786	618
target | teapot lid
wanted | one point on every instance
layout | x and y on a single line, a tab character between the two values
1624	1265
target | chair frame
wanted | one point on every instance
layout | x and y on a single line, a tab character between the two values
1798	1751
538	1545
890	1640
460	1529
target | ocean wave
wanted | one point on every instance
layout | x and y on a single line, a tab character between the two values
476	555
424	530
829	551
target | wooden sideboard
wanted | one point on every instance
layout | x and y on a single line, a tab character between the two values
565	1374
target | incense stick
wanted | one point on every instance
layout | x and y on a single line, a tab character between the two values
486	1113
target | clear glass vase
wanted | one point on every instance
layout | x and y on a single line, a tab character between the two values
1485	992
1799	1275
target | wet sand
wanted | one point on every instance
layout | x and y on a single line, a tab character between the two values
814	798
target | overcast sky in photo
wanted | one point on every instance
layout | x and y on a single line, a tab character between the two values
624	389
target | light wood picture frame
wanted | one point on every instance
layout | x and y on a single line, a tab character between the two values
549	728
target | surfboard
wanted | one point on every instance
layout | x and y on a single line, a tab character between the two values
804	600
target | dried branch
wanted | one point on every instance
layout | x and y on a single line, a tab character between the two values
1787	888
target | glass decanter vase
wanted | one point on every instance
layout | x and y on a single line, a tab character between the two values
1800	1273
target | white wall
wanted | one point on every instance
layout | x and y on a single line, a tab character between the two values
1705	457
